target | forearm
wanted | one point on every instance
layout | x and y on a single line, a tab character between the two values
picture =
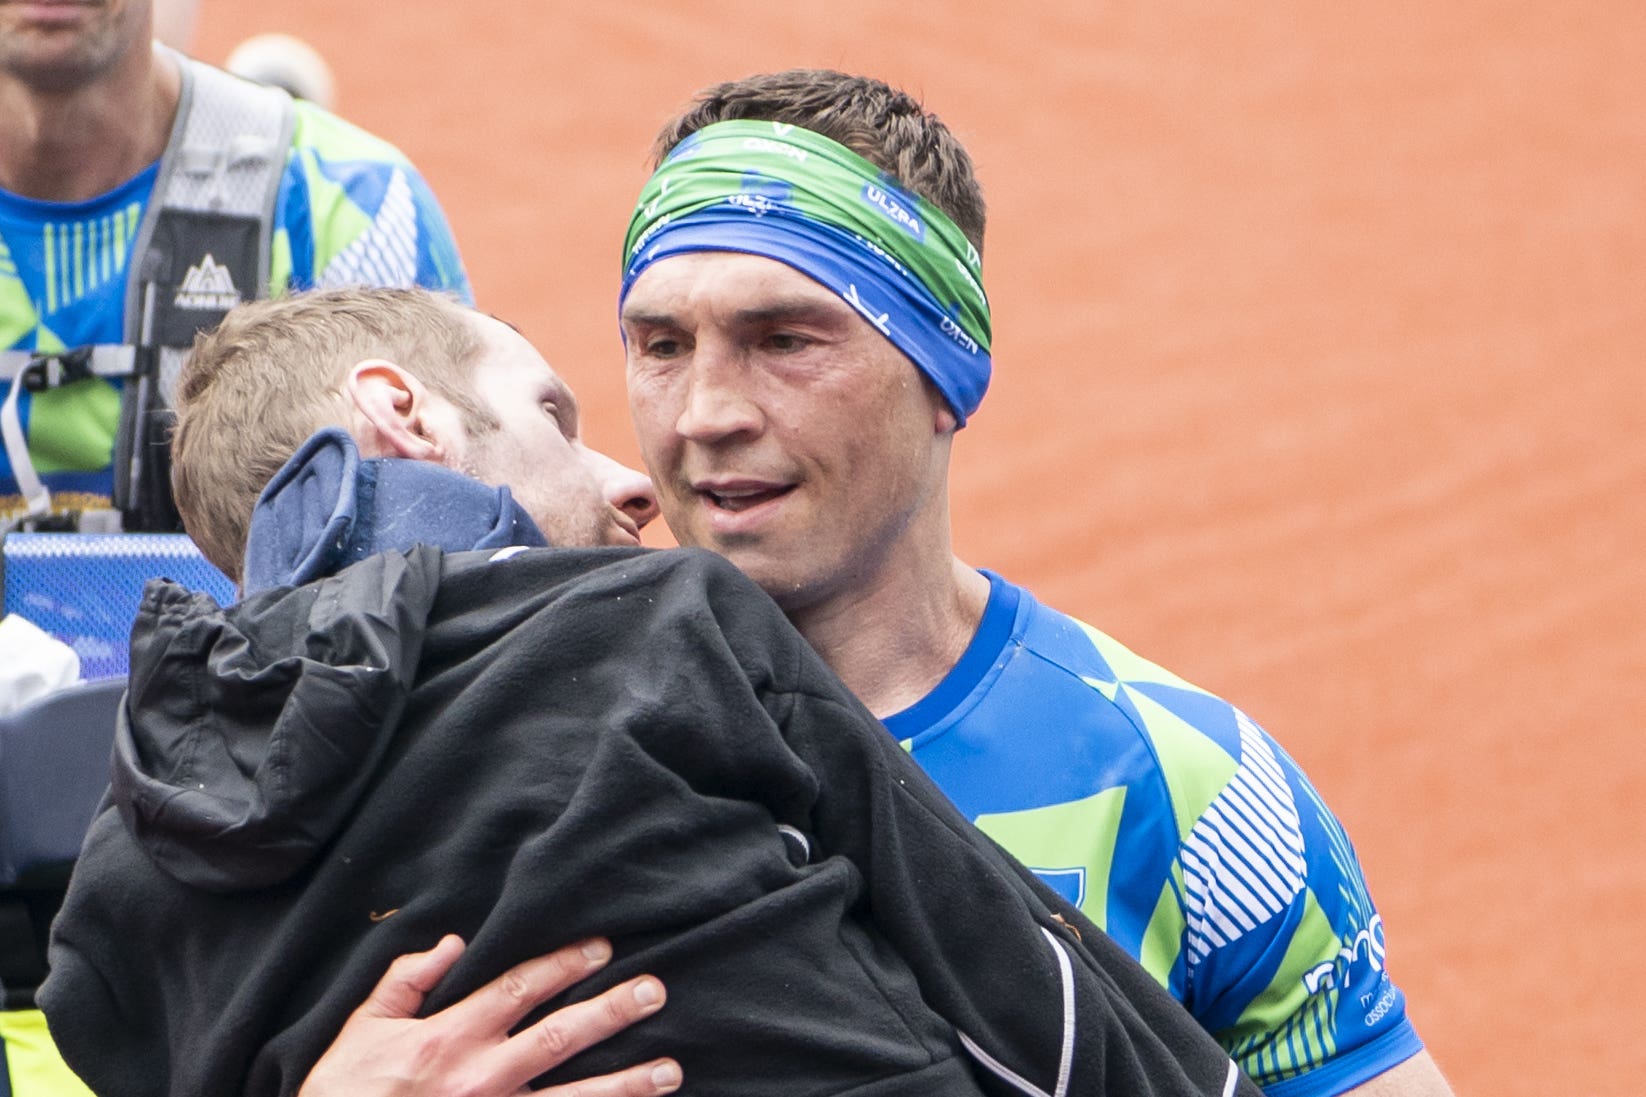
1418	1076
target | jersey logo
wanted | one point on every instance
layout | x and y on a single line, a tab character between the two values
1364	947
207	286
1067	882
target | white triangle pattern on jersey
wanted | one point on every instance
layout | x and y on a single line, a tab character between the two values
1243	861
386	253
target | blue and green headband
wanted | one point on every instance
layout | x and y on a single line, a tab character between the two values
786	193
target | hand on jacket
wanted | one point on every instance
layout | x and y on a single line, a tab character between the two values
385	1049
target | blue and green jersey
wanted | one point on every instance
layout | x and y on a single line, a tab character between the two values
351	210
1178	825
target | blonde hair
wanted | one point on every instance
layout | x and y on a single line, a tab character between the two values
272	373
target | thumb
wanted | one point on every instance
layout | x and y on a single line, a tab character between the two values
400	993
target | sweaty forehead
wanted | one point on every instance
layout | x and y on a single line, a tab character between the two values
732	284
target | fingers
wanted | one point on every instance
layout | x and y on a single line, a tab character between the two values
401	991
501	1004
661	1076
570	1029
384	1048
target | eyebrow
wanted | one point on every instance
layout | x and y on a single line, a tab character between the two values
794	308
798	308
647	319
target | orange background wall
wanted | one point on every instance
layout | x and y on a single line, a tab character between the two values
1320	334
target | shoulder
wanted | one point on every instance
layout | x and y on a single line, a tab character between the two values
336	139
1189	732
313	128
1068	718
354	210
1079	648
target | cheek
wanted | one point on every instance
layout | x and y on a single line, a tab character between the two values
885	450
674	500
653	423
568	507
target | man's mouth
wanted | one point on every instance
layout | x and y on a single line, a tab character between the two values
50	11
736	499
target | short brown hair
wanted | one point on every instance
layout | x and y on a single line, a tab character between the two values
885	126
272	374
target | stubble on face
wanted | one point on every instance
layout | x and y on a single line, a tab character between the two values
532	445
56	47
560	499
834	435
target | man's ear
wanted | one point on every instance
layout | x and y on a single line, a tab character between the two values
944	420
389	413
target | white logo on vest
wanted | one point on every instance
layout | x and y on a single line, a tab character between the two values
207	286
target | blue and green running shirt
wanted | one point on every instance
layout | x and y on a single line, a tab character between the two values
351	210
1179	826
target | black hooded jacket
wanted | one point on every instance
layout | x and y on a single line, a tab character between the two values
531	750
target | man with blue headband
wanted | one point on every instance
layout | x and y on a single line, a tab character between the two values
806	331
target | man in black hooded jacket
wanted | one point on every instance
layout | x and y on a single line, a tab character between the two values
412	726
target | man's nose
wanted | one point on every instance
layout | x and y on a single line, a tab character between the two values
717	404
627	489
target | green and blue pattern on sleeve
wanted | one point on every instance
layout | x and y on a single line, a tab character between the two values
1179	826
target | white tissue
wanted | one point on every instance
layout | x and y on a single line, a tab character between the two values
33	663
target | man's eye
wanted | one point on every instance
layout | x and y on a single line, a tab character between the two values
786	341
552	410
662	348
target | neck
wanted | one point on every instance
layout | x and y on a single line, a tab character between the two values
72	145
892	640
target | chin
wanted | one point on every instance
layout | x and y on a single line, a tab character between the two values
777	578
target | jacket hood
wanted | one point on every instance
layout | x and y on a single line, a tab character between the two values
328	508
250	733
